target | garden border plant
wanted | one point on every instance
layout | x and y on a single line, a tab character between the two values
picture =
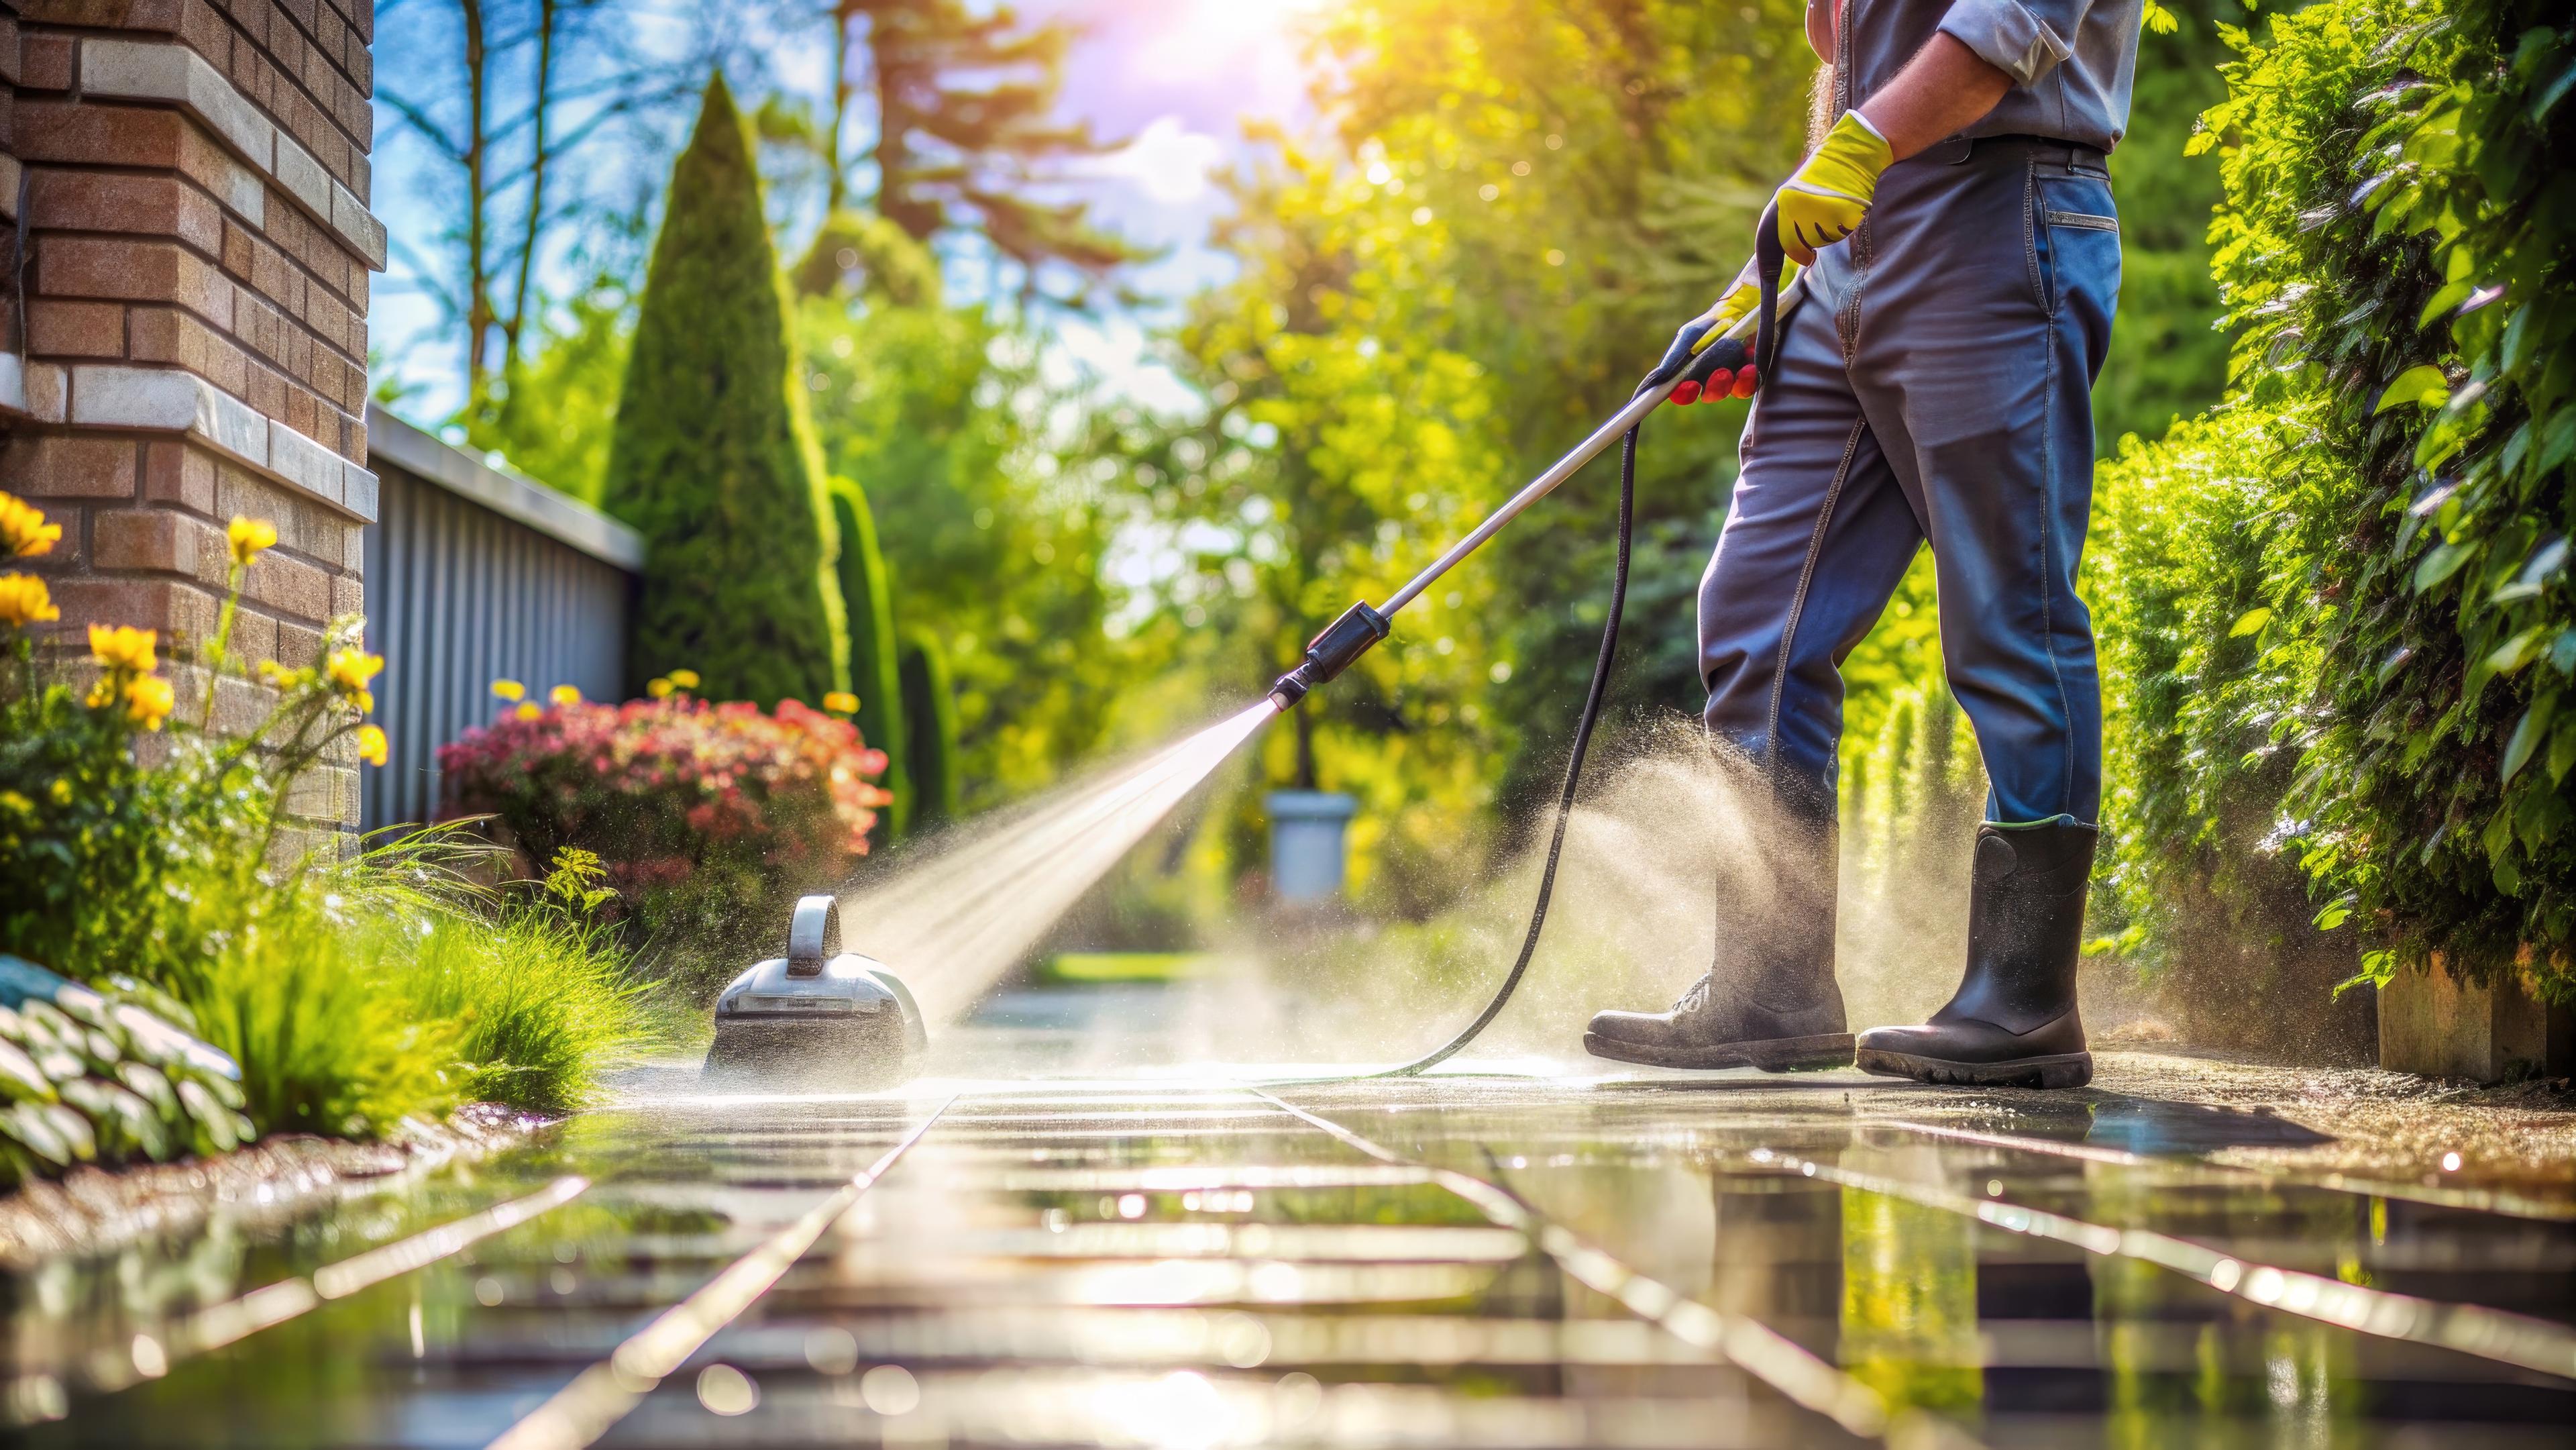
151	852
707	820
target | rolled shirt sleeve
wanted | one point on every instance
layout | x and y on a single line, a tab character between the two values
2024	41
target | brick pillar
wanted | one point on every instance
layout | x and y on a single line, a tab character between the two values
197	272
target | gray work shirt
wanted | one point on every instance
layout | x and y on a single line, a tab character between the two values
2070	60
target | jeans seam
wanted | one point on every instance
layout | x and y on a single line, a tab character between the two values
2030	238
2048	569
1798	599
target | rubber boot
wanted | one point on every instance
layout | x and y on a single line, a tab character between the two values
2012	1022
1770	999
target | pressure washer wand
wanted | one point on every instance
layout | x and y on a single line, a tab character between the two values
1363	624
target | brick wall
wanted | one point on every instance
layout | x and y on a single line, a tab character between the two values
197	260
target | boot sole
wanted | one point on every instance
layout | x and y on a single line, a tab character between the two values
1781	1054
2064	1070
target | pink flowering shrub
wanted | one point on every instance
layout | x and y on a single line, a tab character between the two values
710	819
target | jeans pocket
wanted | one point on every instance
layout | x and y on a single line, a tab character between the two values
2075	240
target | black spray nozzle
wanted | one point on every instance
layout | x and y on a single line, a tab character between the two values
1331	652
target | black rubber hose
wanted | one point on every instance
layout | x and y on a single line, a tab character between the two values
1573	773
1769	258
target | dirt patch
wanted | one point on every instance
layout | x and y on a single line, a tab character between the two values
92	1210
2395	1125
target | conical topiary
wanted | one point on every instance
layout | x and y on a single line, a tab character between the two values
930	730
873	673
712	459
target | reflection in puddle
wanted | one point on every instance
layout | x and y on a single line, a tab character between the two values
1180	1263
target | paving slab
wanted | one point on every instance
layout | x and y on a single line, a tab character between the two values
2191	1251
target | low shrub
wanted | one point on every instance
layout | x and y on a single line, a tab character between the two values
86	1079
708	819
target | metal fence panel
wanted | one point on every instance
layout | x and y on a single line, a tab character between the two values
459	595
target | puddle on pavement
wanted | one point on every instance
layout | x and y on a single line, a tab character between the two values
1187	1265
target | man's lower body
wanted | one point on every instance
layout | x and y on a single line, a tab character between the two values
1934	386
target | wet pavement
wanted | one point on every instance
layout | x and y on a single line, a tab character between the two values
1477	1259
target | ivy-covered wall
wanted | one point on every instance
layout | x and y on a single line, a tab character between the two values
2335	608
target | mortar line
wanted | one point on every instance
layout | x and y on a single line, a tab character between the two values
2492	1334
1747	1343
603	1394
2481	1200
150	1355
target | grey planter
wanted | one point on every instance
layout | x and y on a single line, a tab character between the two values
1309	846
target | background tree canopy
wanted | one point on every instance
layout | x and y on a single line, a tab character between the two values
2328	562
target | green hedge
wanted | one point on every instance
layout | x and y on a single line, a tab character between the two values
713	460
2335	610
874	677
929	729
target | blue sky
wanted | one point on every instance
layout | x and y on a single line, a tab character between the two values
1175	78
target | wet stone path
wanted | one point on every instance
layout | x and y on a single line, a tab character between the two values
1472	1260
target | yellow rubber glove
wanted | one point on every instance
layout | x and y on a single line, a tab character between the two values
1737	303
1826	200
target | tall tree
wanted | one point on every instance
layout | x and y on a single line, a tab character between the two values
1519	200
713	459
504	94
985	538
967	134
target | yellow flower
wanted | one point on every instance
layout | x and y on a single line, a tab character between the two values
352	669
685	679
365	700
62	790
658	687
564	695
16	804
509	690
23	530
123	647
24	600
371	744
148	701
841	702
249	536
527	711
102	691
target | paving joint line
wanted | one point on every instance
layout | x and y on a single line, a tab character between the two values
2494	1334
2479	1200
1747	1343
608	1390
40	1396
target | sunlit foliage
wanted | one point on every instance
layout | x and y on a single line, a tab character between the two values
2361	659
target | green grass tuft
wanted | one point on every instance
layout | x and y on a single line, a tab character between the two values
394	986
542	1005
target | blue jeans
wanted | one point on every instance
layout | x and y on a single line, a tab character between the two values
1936	384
